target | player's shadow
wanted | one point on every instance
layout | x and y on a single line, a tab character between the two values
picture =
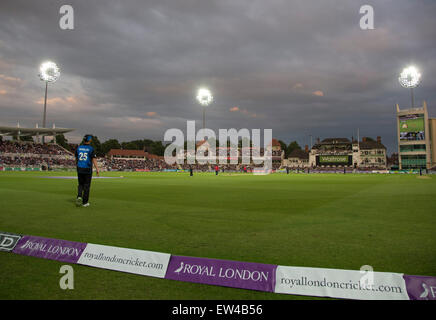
71	201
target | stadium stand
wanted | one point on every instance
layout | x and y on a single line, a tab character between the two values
369	155
15	147
29	154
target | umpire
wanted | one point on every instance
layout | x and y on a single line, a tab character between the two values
85	158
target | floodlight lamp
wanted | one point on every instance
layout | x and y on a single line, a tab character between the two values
410	77
49	71
204	97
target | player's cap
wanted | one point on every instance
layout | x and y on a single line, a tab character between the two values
87	137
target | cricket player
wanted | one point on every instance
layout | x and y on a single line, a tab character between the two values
85	158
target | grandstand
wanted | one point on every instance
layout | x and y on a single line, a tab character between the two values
328	155
28	155
370	154
233	156
333	153
134	160
297	159
35	156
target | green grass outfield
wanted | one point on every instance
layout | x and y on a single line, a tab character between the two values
317	220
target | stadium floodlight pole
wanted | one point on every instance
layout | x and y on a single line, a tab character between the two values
48	72
410	79
205	98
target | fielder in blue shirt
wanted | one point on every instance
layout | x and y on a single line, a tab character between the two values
85	158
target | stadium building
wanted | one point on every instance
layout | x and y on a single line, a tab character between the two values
133	160
331	152
236	154
416	135
342	152
127	154
278	154
298	158
370	154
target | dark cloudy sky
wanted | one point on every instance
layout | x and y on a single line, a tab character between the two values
130	69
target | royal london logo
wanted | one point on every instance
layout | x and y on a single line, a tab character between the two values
428	293
50	249
8	241
221	272
180	268
424	295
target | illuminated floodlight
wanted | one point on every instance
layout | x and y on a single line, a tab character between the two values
410	77
204	97
49	71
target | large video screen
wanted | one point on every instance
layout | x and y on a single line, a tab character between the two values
412	127
334	160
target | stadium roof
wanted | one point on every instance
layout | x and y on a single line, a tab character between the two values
20	131
335	140
364	144
132	153
368	145
300	154
126	152
201	143
331	141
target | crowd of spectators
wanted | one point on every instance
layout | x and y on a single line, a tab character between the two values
19	161
28	154
134	164
160	164
334	169
221	167
32	148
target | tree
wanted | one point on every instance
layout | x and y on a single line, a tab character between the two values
158	148
132	145
283	147
26	138
292	146
147	143
22	138
129	145
110	144
62	141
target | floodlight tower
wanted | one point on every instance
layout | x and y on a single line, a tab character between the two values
410	78
205	98
48	72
